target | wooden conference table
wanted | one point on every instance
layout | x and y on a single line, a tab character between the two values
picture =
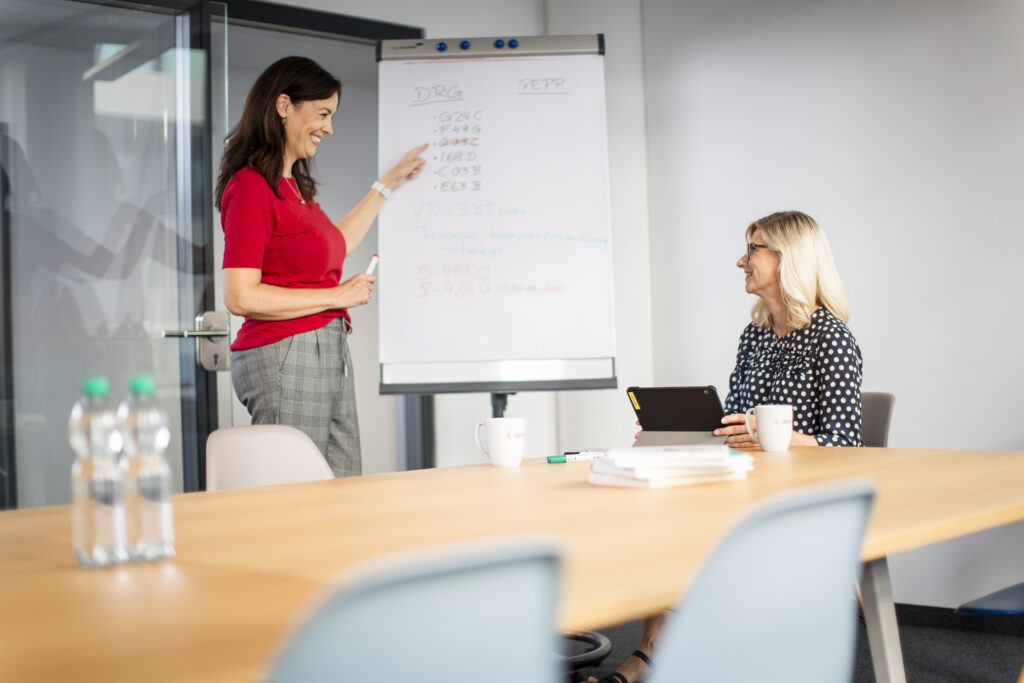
250	560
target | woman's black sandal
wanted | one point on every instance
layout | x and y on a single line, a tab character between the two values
619	678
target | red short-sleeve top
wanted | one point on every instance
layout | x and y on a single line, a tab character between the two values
295	245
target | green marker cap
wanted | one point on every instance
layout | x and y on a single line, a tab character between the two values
143	384
95	386
554	459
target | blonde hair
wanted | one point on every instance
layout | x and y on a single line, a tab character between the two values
807	271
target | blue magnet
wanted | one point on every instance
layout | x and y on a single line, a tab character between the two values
499	43
442	46
464	45
513	43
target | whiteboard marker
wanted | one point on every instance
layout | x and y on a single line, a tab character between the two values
577	456
373	265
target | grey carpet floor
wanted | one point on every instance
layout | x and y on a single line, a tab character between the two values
934	650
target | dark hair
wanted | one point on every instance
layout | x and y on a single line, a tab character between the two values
259	139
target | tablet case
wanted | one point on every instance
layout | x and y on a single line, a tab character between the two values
677	415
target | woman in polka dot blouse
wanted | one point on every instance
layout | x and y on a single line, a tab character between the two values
798	349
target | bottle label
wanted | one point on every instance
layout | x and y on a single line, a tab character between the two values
105	491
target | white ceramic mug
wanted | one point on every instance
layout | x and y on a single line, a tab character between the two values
774	426
503	439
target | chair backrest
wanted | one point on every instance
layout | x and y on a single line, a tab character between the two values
875	416
481	614
259	455
776	599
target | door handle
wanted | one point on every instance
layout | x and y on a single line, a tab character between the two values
196	333
211	335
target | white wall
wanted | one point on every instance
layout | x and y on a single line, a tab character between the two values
444	18
898	126
596	419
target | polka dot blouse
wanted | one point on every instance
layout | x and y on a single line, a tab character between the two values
818	370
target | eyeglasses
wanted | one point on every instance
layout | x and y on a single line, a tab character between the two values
752	249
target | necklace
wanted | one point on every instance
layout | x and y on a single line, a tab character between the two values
295	189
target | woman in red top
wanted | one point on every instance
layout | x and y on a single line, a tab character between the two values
283	259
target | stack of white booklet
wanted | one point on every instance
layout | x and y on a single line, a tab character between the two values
663	466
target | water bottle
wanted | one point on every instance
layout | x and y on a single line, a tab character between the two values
147	490
97	504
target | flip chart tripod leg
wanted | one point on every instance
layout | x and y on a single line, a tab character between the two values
498	402
880	617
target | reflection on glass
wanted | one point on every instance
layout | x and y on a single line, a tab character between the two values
89	102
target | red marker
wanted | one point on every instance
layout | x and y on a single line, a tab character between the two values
373	265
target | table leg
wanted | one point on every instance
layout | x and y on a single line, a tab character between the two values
880	617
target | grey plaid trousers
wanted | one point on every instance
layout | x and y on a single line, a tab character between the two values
305	381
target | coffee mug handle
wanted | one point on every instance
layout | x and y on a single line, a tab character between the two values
747	415
476	434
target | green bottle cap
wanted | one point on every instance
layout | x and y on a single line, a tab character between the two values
143	384
96	386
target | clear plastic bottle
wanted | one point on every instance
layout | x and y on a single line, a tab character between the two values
147	492
97	504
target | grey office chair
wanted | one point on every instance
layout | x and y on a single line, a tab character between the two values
774	601
486	613
876	415
259	455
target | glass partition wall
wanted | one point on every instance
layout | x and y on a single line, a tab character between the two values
112	116
99	107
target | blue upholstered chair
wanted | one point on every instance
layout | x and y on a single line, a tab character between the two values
1006	601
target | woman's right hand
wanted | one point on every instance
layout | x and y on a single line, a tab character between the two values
735	430
356	290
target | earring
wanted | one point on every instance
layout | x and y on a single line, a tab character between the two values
284	120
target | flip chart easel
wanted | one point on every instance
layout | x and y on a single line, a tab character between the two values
496	263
